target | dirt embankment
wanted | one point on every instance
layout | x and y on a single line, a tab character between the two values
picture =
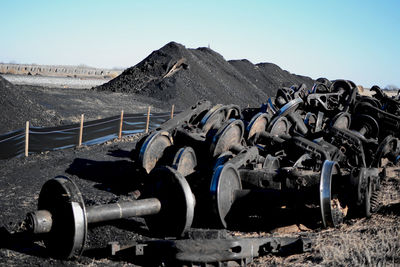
181	76
17	107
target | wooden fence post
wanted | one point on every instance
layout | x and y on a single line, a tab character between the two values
120	125
27	139
172	111
81	131
148	119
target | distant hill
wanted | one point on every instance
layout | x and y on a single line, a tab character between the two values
181	76
81	71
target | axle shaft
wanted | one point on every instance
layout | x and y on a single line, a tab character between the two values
40	222
122	210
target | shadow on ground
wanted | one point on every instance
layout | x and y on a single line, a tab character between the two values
393	208
21	242
119	177
119	153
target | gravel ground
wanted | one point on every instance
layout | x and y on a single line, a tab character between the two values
54	82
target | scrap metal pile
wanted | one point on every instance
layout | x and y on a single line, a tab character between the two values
326	148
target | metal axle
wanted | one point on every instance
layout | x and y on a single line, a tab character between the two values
40	222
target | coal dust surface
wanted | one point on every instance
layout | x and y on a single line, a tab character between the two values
177	75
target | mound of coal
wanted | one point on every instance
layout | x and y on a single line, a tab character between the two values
16	108
181	76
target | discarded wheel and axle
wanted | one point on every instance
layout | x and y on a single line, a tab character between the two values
62	217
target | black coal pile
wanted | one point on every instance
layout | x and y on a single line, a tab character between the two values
16	108
181	76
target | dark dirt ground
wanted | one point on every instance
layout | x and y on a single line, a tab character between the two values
181	76
104	173
70	103
56	106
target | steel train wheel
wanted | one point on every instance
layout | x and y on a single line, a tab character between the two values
225	182
185	161
213	118
341	121
257	124
330	202
152	149
229	135
177	203
62	198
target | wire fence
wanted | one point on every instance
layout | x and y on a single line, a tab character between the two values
37	139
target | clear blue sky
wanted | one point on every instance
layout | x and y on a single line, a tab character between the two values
357	40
